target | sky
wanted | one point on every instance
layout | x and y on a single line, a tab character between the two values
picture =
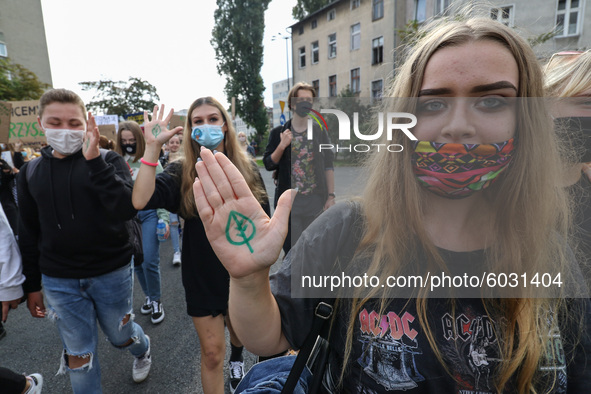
164	43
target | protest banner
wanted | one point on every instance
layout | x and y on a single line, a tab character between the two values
137	117
108	130
23	122
5	108
177	120
107	119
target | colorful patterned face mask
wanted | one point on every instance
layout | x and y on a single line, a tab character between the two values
458	170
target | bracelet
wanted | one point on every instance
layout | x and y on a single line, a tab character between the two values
148	163
332	195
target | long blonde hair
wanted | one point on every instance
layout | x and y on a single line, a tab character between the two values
569	76
233	151
533	212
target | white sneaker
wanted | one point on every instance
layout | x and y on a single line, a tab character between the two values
142	365
36	381
236	374
146	309
176	259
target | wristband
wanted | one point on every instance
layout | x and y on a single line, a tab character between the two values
148	163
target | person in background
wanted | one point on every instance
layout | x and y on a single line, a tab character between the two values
568	84
245	145
131	145
204	278
300	164
16	153
73	206
174	153
106	143
476	89
255	146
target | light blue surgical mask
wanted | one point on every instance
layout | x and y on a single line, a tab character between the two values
208	135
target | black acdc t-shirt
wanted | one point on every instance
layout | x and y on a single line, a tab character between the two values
390	350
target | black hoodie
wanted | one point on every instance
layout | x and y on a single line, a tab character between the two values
72	216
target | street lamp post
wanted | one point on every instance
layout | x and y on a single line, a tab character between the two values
285	37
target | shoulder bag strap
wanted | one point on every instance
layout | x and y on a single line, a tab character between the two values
322	314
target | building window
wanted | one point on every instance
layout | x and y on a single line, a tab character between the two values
315	52
332	14
332	86
301	30
302	51
314	23
503	15
332	45
355	4
376	89
355	36
378	9
3	52
355	80
316	85
420	10
567	17
377	51
442	7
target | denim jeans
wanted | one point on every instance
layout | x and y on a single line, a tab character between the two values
269	377
174	231
148	273
76	304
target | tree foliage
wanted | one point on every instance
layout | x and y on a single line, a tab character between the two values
120	97
17	83
238	43
350	103
307	7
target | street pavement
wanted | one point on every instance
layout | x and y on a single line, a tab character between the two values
33	345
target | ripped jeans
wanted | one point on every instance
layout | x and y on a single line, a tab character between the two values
76	305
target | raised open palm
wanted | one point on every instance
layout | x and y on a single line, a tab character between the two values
243	237
156	129
90	146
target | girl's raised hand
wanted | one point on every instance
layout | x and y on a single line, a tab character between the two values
156	130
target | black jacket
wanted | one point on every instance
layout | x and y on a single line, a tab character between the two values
72	216
284	166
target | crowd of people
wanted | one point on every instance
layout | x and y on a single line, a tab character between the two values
496	180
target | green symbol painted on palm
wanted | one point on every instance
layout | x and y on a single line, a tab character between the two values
156	130
245	230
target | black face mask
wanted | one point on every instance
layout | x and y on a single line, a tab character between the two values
303	108
577	132
129	148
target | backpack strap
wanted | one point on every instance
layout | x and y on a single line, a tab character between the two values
31	166
322	314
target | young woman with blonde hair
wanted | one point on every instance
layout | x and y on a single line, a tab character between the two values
568	85
204	278
477	192
245	145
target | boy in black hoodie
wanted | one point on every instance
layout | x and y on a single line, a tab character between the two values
73	206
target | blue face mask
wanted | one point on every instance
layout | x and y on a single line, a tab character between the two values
208	135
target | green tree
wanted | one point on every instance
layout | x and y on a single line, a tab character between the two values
18	83
120	97
238	43
349	102
307	7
